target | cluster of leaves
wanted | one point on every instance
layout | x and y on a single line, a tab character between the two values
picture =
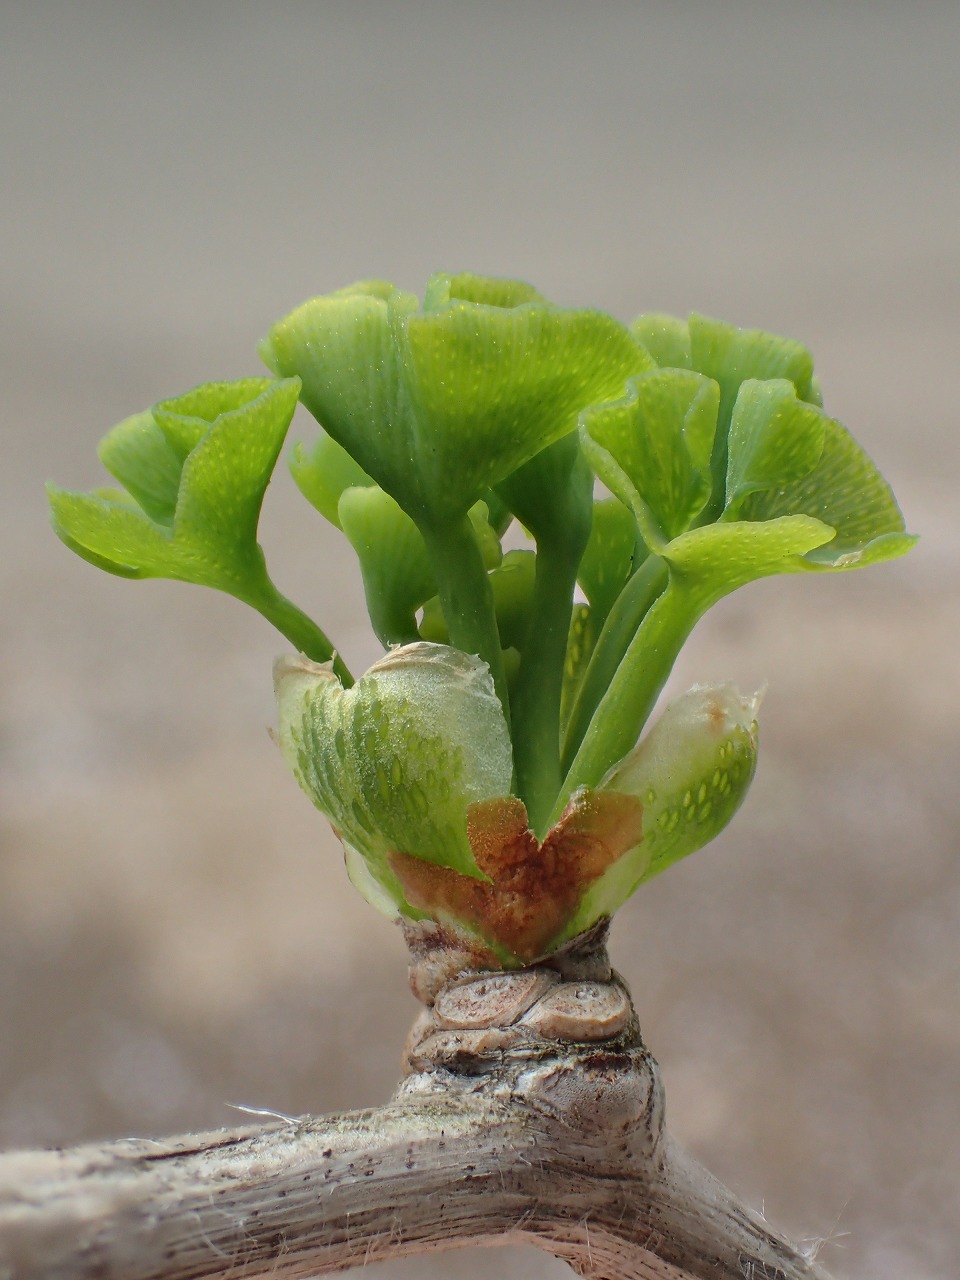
443	422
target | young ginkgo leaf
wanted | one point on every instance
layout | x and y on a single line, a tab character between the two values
398	575
323	472
652	449
667	338
844	489
487	291
799	493
439	404
137	453
774	439
195	470
612	554
239	430
206	532
729	355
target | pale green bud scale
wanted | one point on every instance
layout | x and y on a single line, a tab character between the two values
396	761
691	772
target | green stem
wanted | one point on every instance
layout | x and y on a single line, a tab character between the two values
300	630
536	703
619	718
618	631
466	598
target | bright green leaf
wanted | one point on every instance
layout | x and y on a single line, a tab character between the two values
343	346
186	419
652	449
105	530
238	429
713	561
610	557
667	338
775	439
381	289
225	476
730	356
488	291
886	546
439	405
397	574
136	452
323	472
496	386
845	490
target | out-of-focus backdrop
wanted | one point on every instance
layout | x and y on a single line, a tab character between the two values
176	932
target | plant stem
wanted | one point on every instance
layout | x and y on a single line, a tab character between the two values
566	1152
536	703
297	627
552	497
619	629
466	598
623	710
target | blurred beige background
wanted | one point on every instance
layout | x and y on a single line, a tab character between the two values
176	932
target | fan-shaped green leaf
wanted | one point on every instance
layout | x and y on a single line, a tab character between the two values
136	452
652	449
488	291
844	489
667	338
441	404
323	472
226	474
397	574
775	439
344	348
714	560
106	530
730	356
211	539
495	386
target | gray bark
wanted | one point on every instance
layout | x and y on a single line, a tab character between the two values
530	1112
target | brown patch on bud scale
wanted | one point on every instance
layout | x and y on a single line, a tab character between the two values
532	889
